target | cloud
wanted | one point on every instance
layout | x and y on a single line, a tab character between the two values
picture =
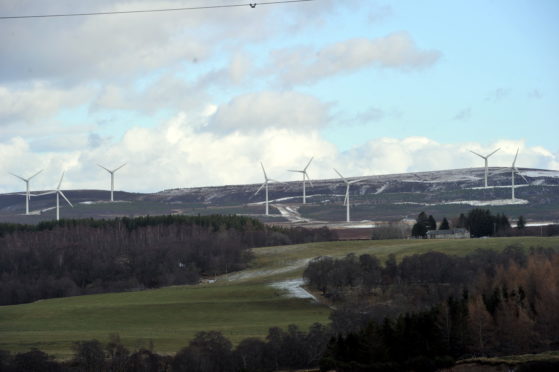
498	94
123	46
379	13
36	102
396	51
463	115
180	153
535	94
270	109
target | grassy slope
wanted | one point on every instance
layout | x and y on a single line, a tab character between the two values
239	306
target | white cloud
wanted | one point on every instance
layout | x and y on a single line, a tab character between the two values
269	109
40	100
396	51
178	153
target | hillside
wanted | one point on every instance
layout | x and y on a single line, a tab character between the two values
375	198
242	304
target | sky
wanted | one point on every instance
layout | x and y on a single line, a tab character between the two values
201	97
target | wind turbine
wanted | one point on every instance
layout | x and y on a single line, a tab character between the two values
486	157
27	194
112	172
58	193
514	169
265	184
305	177
346	200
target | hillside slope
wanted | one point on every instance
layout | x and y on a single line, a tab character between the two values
243	304
377	198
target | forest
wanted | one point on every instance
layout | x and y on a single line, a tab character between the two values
505	303
75	257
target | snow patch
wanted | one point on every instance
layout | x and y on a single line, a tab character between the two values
253	274
538	173
381	189
495	202
294	289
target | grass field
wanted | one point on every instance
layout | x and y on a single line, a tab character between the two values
240	304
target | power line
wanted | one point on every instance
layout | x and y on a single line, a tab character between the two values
238	5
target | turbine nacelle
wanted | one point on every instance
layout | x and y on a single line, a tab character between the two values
27	193
346	199
305	178
58	193
112	173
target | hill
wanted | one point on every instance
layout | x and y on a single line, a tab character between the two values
242	304
375	198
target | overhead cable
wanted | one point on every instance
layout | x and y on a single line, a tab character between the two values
237	5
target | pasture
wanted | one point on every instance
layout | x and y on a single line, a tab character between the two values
240	305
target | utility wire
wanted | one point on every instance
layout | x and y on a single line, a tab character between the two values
238	5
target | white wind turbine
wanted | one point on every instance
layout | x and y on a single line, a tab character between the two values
265	184
27	194
58	193
514	169
112	173
346	200
486	157
305	177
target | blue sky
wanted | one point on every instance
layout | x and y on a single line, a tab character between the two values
200	97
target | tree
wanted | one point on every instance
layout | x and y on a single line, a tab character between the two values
431	223
521	223
89	355
480	222
207	352
462	221
444	224
419	230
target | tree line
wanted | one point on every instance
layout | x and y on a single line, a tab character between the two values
74	257
208	351
508	308
480	222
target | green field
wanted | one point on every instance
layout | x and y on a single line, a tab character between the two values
240	304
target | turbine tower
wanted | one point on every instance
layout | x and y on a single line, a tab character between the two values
514	169
265	184
112	173
346	200
27	194
58	193
486	157
305	177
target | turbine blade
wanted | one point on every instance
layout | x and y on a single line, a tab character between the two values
21	178
515	156
60	183
355	181
309	163
346	194
65	198
493	152
308	178
475	153
260	188
104	168
291	170
119	167
35	174
263	170
339	174
521	175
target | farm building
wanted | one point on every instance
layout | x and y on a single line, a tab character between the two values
457	233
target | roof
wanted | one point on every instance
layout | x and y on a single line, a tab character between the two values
458	230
